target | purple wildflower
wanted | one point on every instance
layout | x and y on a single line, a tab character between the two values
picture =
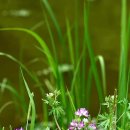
81	125
76	125
73	125
92	126
82	112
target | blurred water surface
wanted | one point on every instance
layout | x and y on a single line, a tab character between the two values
104	31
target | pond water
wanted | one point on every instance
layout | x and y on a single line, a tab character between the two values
104	31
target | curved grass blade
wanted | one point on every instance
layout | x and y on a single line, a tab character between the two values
19	63
16	95
33	109
56	24
103	74
92	57
90	75
50	59
29	73
41	42
5	106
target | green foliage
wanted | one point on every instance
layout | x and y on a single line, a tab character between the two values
31	108
117	108
56	109
92	56
109	120
122	87
52	101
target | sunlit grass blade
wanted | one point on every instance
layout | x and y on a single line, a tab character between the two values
33	109
103	73
28	115
122	87
125	120
123	54
92	57
56	24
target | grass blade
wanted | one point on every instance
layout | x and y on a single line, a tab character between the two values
48	54
89	87
52	38
71	50
54	20
33	114
122	87
5	105
92	57
124	51
103	74
41	42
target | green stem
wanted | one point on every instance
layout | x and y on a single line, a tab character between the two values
57	124
123	61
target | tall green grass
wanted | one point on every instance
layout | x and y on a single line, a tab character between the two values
122	87
31	108
77	87
91	55
79	90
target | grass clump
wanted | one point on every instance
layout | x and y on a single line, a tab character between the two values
63	100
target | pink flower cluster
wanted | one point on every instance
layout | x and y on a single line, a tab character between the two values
82	112
82	121
75	124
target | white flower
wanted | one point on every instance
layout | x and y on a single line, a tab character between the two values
50	95
85	120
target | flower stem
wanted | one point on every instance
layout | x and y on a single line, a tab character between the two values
57	124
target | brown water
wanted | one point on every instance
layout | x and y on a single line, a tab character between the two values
104	31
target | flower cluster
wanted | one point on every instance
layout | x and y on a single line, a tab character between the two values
82	121
52	101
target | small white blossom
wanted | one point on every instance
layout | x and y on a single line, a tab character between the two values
50	95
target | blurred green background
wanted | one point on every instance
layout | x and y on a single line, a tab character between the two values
104	28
